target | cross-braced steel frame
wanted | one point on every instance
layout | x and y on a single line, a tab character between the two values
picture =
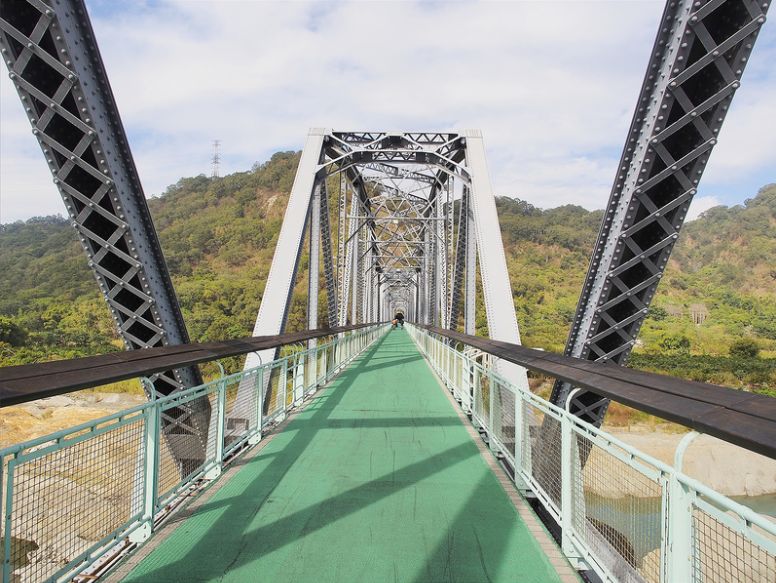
55	65
415	217
413	211
694	70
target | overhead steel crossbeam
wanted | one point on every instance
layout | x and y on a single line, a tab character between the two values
695	69
55	65
400	244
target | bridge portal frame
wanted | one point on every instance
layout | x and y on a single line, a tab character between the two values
401	244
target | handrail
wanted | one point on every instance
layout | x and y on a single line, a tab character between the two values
28	382
745	419
621	513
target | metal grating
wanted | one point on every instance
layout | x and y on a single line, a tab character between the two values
724	555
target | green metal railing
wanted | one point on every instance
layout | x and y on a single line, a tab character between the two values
70	499
624	514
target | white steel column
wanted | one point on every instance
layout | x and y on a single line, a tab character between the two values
470	289
499	305
280	282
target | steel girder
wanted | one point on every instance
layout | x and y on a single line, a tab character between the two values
276	299
328	263
398	245
55	65
695	68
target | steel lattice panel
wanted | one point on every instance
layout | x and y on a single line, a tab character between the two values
696	66
56	68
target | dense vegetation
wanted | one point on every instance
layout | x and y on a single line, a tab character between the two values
218	236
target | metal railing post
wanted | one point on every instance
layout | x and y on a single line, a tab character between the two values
491	411
312	368
466	384
519	437
151	442
7	513
284	385
679	560
259	418
567	467
325	363
220	412
299	366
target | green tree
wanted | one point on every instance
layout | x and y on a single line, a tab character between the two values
744	348
11	333
675	343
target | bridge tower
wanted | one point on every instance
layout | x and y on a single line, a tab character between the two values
398	221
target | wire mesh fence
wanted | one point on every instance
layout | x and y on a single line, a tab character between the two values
627	516
617	509
68	499
72	496
723	551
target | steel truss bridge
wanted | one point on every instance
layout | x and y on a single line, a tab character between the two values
380	475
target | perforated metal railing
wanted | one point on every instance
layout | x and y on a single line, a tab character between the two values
73	499
623	514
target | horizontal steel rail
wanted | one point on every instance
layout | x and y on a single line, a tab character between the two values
742	418
24	383
73	502
623	514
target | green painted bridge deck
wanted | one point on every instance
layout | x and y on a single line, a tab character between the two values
377	479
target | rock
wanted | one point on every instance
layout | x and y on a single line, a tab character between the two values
34	410
58	401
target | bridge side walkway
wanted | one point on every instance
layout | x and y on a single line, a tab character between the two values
376	480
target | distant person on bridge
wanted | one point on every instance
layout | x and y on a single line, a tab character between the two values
398	320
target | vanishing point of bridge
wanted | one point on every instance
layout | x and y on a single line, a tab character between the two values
357	451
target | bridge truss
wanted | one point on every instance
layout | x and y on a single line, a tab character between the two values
396	221
55	65
695	68
415	220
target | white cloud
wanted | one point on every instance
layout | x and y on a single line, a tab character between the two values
552	85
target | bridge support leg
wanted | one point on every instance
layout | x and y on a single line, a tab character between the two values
275	300
499	305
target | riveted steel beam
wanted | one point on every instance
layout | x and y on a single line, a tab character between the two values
695	68
54	63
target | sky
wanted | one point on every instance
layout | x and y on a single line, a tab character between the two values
552	85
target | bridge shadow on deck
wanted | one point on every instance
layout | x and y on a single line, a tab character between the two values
402	496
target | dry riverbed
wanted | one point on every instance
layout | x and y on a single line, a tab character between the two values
20	423
728	469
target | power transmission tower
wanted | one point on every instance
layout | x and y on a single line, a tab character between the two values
216	160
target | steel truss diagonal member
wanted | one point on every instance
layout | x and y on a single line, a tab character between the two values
55	65
396	238
695	68
276	299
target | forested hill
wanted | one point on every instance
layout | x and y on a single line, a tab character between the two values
218	236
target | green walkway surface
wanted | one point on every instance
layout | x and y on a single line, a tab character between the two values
376	480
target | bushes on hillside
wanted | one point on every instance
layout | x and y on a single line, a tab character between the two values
744	348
